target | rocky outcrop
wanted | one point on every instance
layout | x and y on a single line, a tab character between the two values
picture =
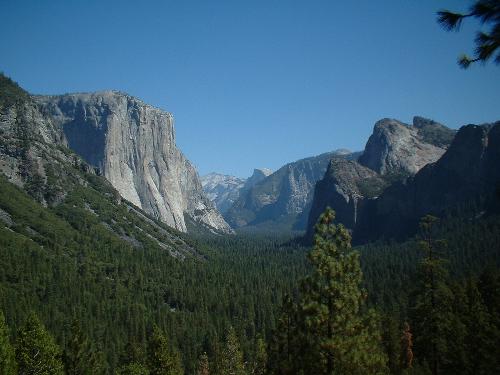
282	200
396	148
466	175
345	187
133	145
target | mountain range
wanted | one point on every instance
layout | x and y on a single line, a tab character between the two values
50	145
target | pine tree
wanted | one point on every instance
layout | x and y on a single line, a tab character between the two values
7	356
203	366
232	357
132	360
341	337
260	363
285	342
133	369
162	359
482	335
79	356
36	351
432	313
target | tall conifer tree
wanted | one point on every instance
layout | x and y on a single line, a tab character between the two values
163	360
36	352
432	305
232	357
7	357
79	356
341	337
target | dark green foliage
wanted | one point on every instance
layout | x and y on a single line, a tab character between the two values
133	369
73	265
63	262
79	357
436	134
330	332
8	364
260	363
162	358
340	337
285	345
487	12
432	313
36	351
232	357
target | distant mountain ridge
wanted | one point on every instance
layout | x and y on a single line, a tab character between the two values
281	201
224	190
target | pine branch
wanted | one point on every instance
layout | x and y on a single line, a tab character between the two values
451	21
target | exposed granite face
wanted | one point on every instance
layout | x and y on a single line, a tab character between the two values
396	148
468	171
344	188
282	200
133	144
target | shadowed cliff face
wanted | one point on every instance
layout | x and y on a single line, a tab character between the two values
345	187
394	152
467	174
133	145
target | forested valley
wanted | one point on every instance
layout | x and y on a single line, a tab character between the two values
85	304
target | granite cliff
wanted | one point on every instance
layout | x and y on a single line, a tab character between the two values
133	145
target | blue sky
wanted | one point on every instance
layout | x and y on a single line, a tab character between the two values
255	83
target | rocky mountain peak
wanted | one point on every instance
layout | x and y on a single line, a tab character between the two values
398	148
257	176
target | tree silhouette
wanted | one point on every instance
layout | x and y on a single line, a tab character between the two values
487	43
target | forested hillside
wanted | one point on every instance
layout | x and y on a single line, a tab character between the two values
61	264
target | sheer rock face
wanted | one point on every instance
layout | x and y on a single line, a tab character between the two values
397	148
345	187
133	144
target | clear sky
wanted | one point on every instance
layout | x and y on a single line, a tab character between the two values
255	83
